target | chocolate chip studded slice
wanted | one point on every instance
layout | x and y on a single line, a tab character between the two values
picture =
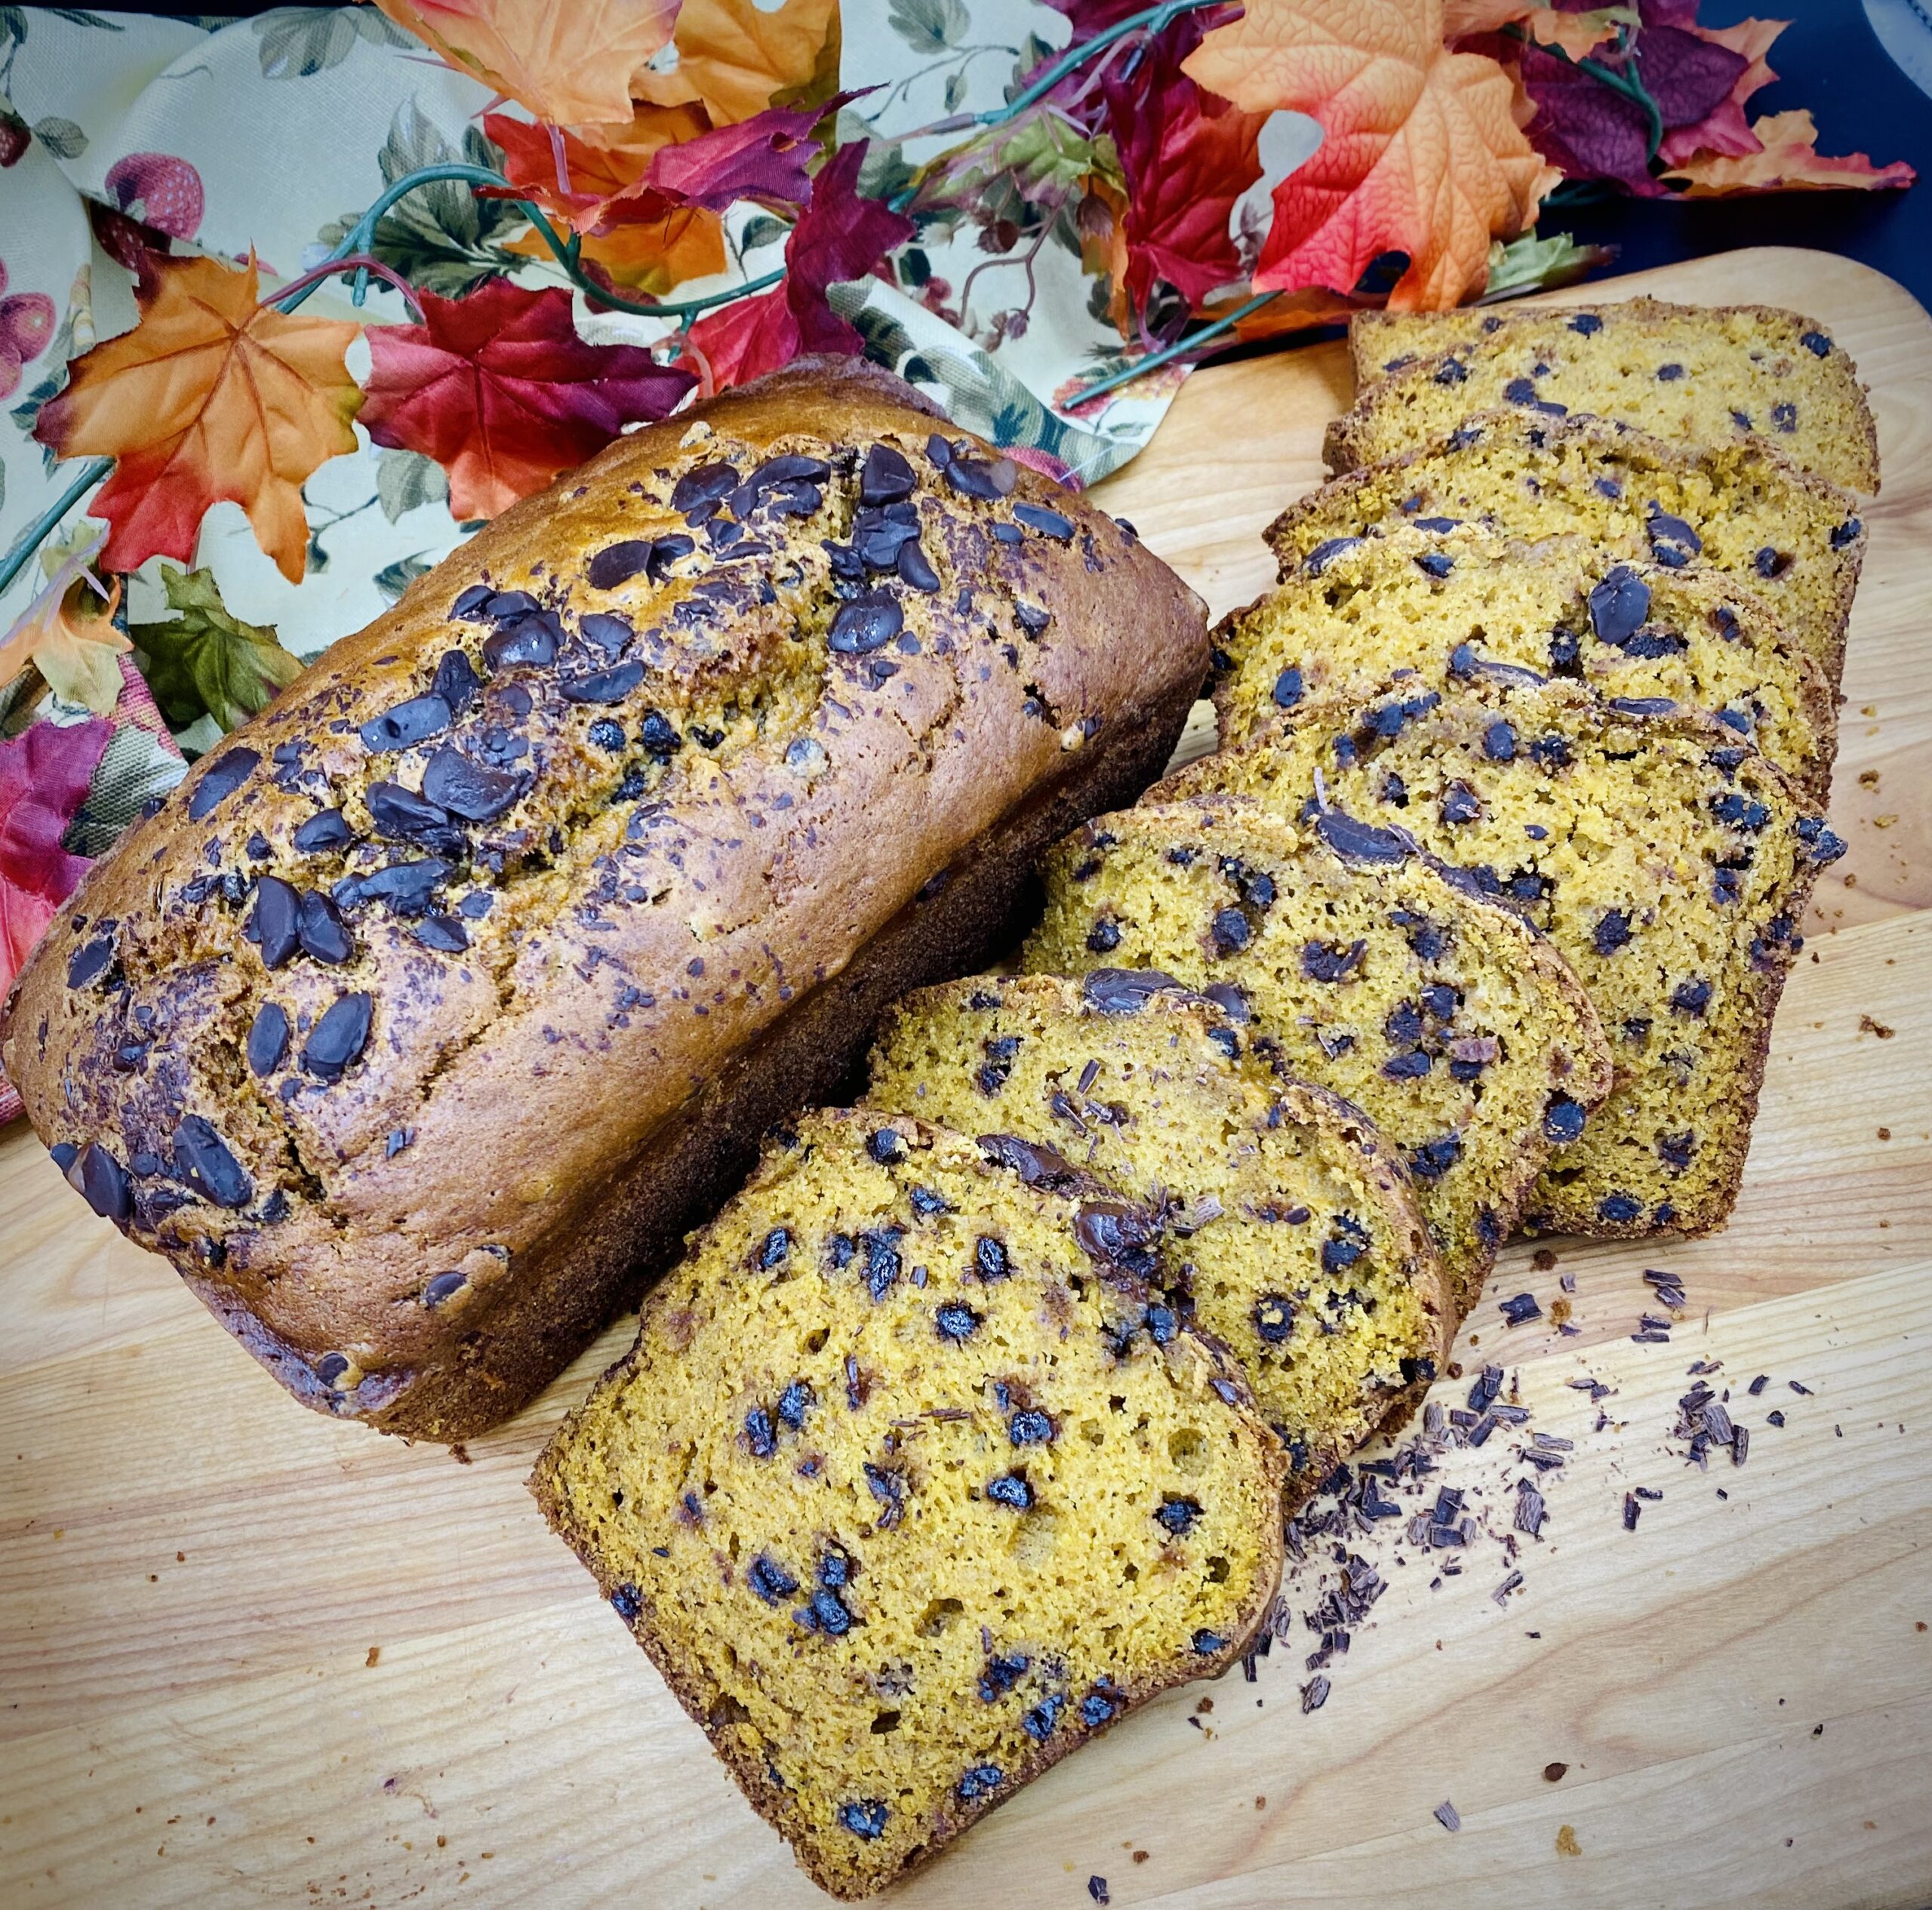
1716	504
882	1549
1373	626
1249	1176
1681	371
1438	1014
1665	860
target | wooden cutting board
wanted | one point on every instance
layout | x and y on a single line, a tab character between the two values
247	1656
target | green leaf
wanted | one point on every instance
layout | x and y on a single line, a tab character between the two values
296	42
61	137
207	661
406	479
1531	264
761	229
929	27
440	236
392	579
955	89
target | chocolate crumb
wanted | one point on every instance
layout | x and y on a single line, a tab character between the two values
1448	1816
1555	1773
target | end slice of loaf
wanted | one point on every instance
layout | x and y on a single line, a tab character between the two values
1738	508
1705	374
1296	1241
909	1486
1665	859
1359	966
1440	608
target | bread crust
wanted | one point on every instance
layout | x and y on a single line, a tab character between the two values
955	1816
542	1114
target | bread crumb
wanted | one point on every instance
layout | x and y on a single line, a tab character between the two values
1566	1845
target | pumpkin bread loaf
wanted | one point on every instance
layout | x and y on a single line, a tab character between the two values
1665	859
910	1486
1442	608
1737	506
1706	375
437	1003
1293	1236
1350	961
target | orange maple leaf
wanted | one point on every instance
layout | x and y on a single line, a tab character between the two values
212	396
1577	34
1420	151
1789	161
571	62
67	634
738	59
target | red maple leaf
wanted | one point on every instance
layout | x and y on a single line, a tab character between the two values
45	773
762	157
842	235
501	391
1188	156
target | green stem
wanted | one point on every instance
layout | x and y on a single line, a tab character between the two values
1180	348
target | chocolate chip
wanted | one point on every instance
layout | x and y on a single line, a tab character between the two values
771	1582
1563	1120
1032	618
1177	1515
989	480
90	962
990	1259
1322	961
531	641
1619	1209
506	606
321	930
1451	371
1362	842
339	1038
267	1038
105	1184
470	602
606	686
1030	1427
760	1439
408	723
1586	323
1048	523
914	570
1325	553
1435	563
885	478
1038	1166
1673	542
273	925
1612	931
1619	604
1123	990
865	1818
403	815
1817	343
203	1161
1117	1235
609	633
980	1781
1691	998
883	1264
616	564
956	1321
794	1402
699	491
327	829
1846	532
1011	1489
1274	1322
1206	1643
1643	705
1229	932
1288	691
444	934
885	1146
224	776
866	623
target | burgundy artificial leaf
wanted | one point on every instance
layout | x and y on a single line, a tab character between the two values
1586	129
763	158
1688	75
45	773
842	235
1188	156
501	391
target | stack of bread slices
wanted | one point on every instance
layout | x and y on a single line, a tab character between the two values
1474	923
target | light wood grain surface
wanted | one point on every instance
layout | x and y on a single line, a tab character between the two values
249	1656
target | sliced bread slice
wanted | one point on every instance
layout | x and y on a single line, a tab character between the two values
1437	608
1707	374
1665	857
1296	1240
1742	509
1355	963
909	1486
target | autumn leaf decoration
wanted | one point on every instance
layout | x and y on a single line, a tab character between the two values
67	634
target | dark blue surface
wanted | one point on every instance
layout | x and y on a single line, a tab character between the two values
1829	60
